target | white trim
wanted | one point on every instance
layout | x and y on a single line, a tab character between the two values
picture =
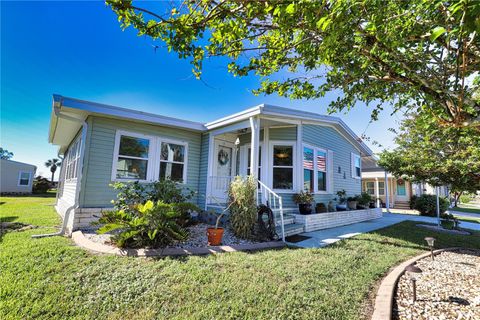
353	170
154	150
295	163
315	169
243	165
20	178
299	163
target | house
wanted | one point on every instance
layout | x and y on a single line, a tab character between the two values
399	190
287	150
16	177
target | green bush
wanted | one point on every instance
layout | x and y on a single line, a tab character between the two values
364	199
40	185
303	197
427	205
243	205
169	191
412	201
148	225
465	198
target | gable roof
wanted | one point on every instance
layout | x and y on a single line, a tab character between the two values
64	129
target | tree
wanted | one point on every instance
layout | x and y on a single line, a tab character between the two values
439	156
5	154
417	54
53	164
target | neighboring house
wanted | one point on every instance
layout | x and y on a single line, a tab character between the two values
400	190
16	177
288	150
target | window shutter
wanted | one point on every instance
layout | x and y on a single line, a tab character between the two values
330	171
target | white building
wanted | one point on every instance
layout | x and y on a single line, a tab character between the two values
16	177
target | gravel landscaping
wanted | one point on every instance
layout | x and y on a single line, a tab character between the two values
197	237
447	288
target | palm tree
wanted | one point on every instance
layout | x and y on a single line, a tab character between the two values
53	164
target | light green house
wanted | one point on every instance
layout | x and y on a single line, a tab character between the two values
287	150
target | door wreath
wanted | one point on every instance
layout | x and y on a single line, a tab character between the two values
223	157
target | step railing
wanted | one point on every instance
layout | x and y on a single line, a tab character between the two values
269	198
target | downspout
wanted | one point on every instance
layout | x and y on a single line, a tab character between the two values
79	176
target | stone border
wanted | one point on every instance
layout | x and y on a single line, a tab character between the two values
81	241
383	309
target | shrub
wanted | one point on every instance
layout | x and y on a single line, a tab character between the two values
364	199
465	198
427	205
131	194
342	196
40	185
169	191
411	203
242	205
303	197
148	225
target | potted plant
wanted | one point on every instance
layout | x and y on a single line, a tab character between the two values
342	199
364	200
304	200
320	207
352	203
215	234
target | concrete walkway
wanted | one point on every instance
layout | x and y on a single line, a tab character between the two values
322	238
464	214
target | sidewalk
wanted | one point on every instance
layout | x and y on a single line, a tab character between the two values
322	238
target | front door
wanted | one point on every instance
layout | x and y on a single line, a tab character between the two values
402	192
223	169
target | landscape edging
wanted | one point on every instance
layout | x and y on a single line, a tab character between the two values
383	309
80	240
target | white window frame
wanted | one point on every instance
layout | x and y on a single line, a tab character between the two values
295	164
157	161
353	167
71	161
380	189
244	159
366	187
20	178
315	169
154	151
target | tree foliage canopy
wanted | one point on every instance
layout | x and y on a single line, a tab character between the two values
416	54
5	154
439	156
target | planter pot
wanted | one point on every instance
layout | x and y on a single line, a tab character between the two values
341	207
352	205
320	208
305	208
214	236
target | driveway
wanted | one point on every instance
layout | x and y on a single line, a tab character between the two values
322	238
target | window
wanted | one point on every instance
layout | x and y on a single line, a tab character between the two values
381	188
282	167
132	159
308	172
356	166
259	162
24	178
71	160
370	187
321	170
148	158
314	169
172	161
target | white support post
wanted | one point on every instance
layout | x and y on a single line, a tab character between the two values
298	162
377	193
255	143
387	194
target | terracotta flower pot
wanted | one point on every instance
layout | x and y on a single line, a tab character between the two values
214	236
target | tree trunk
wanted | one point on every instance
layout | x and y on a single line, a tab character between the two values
53	174
457	197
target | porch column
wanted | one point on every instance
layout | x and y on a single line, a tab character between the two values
377	192
387	194
255	143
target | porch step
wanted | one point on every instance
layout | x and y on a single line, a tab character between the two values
402	205
290	229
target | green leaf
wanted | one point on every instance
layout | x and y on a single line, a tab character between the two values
290	8
437	32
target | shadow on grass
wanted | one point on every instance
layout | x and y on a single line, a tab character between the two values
8	218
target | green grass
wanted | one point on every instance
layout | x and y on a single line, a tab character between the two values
50	278
467	208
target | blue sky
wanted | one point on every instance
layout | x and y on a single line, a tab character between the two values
77	49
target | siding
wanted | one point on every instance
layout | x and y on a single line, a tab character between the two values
96	191
9	176
203	171
330	139
69	188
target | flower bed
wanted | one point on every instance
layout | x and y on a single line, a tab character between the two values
447	288
197	237
327	220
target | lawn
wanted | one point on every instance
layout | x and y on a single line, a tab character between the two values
467	208
50	278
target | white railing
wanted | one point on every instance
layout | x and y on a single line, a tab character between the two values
269	198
